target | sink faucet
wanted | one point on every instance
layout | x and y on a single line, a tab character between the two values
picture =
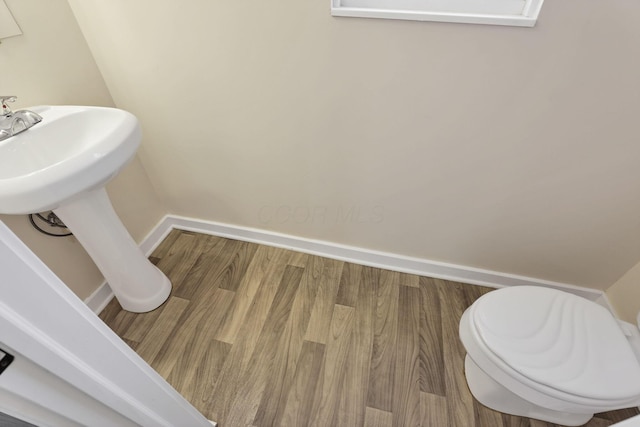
12	123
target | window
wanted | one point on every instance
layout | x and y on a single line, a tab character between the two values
522	13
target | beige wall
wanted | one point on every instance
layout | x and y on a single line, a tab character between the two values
624	295
508	149
51	64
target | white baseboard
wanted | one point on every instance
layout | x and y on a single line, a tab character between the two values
99	299
385	260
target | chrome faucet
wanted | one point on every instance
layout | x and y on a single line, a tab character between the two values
14	122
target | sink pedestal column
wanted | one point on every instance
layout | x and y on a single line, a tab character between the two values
138	284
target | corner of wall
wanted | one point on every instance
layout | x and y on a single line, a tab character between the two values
625	295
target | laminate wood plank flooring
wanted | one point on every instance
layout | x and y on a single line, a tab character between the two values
384	285
259	336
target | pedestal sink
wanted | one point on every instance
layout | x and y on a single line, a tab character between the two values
62	164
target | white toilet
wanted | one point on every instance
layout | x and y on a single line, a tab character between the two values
546	354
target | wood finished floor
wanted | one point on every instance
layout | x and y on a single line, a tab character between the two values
260	336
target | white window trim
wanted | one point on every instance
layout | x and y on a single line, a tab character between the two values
491	12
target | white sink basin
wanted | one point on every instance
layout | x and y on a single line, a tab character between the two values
62	164
73	150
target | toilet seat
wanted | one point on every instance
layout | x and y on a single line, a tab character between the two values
558	344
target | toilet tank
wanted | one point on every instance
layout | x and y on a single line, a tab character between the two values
632	333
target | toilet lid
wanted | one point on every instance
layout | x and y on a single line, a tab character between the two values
560	340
